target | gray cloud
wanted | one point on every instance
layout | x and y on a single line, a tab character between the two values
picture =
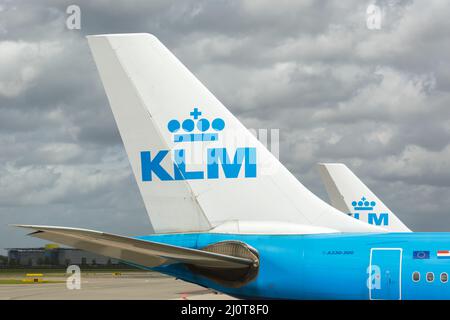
375	100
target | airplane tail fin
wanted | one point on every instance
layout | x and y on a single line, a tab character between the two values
350	195
196	165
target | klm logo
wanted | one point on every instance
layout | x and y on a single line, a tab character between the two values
189	125
230	163
364	207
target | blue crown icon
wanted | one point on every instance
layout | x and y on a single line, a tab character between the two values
363	204
202	125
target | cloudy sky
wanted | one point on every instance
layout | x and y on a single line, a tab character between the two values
377	100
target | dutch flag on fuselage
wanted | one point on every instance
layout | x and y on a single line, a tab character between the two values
443	254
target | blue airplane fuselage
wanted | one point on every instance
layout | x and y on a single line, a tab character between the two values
331	266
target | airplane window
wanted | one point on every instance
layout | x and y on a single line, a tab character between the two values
416	276
430	276
444	277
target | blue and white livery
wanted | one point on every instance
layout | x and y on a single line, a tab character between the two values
227	214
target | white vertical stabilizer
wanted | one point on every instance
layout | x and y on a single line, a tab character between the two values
195	164
350	195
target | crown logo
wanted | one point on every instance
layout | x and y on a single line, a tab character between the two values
195	129
363	204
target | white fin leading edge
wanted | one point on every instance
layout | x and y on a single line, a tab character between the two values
196	165
350	195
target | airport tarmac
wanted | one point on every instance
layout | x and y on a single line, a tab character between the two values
107	286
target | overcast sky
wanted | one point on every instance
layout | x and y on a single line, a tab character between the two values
376	100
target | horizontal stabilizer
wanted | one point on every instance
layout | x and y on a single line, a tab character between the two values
140	252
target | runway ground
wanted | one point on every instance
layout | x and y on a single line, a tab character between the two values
107	286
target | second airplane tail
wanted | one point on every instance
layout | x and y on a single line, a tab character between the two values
350	195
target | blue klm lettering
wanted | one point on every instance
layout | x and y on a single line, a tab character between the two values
246	156
381	219
231	170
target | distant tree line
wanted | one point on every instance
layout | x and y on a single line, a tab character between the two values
50	263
